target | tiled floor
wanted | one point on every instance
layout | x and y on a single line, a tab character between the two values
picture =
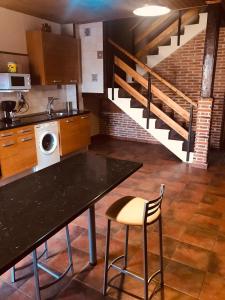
194	233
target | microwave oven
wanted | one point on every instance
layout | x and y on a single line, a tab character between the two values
14	82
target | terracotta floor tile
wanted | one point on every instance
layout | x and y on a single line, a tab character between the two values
79	291
10	293
213	288
218	202
173	228
184	278
219	246
199	237
192	256
171	294
205	222
217	264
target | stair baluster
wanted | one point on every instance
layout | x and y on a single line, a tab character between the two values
113	81
190	133
179	27
149	98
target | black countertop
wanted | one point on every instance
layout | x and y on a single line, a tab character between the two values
35	207
40	118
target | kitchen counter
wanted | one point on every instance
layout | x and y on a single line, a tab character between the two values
40	118
35	207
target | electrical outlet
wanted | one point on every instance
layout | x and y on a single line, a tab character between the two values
99	54
87	31
94	77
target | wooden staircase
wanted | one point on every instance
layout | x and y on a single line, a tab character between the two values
178	31
144	102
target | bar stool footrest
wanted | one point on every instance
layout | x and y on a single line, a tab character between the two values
131	274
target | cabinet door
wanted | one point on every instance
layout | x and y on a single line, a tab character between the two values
74	134
83	133
26	148
68	141
53	52
8	156
70	66
60	59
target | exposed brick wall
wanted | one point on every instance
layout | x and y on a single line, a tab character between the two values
121	125
202	132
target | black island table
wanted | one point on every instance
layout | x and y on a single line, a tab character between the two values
37	206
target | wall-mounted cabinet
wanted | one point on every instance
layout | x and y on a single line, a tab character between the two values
54	59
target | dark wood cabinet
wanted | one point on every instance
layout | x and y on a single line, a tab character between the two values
74	133
54	59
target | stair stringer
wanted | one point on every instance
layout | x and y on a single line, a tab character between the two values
161	135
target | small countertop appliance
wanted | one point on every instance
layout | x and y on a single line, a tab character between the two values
8	108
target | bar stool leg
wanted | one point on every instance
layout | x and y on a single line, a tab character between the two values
69	250
13	274
36	277
126	247
105	284
161	251
145	254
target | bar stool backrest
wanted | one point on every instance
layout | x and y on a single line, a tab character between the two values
152	206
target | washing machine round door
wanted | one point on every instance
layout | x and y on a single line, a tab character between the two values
48	142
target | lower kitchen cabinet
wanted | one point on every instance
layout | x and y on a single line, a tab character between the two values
74	133
17	150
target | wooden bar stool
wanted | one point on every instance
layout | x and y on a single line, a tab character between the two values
133	211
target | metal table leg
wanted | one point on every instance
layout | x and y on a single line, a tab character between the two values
36	277
92	236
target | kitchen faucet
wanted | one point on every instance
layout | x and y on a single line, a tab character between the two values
50	104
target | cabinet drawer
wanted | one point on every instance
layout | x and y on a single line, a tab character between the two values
8	147
25	130
5	134
68	121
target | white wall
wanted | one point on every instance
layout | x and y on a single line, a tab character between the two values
13	27
92	66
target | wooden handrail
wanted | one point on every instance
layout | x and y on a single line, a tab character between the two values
168	32
157	24
153	73
155	91
156	111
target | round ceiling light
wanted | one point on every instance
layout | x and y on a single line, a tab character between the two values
151	11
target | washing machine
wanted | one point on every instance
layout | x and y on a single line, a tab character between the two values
47	144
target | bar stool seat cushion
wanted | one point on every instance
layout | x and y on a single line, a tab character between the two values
129	210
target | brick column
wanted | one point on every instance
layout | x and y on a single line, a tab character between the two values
203	125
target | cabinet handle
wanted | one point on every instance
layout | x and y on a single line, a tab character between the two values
26	139
25	131
6	134
69	121
8	144
73	81
86	117
56	81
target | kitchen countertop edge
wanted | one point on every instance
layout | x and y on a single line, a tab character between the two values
39	118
